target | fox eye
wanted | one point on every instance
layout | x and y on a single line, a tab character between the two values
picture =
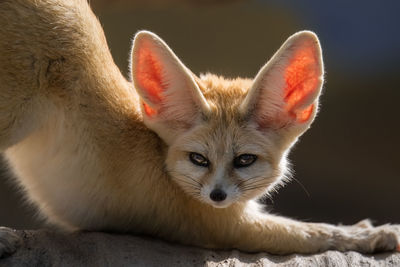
244	160
198	159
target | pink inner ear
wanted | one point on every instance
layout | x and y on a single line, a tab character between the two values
302	79
148	110
149	73
304	115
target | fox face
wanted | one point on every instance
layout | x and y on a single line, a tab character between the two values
221	162
228	138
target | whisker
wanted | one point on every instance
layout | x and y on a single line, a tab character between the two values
255	181
241	182
253	187
302	186
187	181
187	176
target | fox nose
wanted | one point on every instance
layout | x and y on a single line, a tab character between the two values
217	195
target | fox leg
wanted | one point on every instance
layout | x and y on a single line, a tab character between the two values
283	236
251	230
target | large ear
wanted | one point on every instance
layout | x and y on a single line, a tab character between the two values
171	99
285	92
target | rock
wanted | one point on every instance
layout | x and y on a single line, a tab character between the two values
49	248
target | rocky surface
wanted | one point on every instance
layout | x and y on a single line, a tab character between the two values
47	248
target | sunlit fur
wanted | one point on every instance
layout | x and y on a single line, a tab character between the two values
88	157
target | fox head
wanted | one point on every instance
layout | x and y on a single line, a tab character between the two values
228	139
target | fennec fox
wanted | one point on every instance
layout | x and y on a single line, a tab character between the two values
168	154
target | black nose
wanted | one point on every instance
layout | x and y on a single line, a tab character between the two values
217	195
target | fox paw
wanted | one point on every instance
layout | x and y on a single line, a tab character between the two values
9	241
378	239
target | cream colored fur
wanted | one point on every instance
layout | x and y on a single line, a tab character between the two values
74	133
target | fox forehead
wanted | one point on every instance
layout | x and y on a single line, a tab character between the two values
221	139
224	95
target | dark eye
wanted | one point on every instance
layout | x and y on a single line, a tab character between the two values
244	160
198	159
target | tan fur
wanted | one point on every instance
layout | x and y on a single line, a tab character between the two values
73	131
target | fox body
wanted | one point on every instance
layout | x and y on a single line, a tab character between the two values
167	154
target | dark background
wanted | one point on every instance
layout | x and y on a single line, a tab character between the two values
348	161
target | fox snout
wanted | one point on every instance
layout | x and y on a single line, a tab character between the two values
219	195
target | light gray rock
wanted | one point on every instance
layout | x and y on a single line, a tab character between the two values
47	248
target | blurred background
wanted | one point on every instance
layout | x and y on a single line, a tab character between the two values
347	165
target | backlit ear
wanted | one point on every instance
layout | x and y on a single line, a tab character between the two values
285	92
171	99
